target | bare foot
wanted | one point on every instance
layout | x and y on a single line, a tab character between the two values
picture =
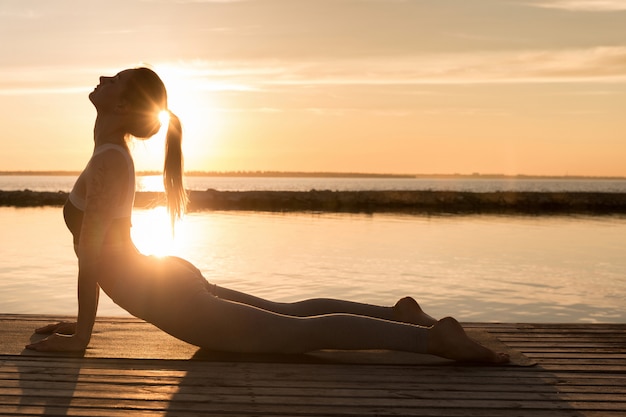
448	340
407	310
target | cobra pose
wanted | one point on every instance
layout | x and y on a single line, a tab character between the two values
172	294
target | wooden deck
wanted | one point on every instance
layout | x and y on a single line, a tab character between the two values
134	370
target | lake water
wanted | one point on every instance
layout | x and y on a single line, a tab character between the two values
477	268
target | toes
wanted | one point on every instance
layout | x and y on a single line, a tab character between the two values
451	341
502	358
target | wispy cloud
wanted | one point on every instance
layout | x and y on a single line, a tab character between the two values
20	14
48	80
583	5
594	64
42	91
600	64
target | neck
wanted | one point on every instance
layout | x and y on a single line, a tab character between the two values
107	129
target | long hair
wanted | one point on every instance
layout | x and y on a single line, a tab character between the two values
173	169
147	97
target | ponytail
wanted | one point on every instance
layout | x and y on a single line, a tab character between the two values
175	193
147	97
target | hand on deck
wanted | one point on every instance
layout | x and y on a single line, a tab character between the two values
58	343
62	338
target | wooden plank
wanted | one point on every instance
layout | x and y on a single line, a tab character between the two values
580	372
302	395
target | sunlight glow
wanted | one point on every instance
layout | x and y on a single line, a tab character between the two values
164	117
193	106
151	232
152	183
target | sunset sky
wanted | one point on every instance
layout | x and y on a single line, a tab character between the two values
535	87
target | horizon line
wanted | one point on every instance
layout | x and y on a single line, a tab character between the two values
323	174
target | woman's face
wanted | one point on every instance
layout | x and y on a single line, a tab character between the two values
107	96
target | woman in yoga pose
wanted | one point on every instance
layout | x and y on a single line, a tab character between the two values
172	294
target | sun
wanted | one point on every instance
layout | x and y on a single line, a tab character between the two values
164	117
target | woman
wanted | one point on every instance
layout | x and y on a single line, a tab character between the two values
172	294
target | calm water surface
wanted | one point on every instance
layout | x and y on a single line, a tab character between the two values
477	268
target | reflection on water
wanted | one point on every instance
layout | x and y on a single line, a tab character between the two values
478	268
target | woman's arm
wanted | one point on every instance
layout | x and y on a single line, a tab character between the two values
88	296
105	187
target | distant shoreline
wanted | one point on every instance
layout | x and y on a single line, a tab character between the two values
410	202
298	174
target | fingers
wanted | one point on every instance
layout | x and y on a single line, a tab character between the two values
45	345
50	328
41	346
66	328
62	327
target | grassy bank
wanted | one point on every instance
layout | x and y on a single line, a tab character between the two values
366	201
